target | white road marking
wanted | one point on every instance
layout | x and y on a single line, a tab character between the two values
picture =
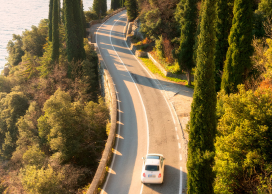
161	88
147	126
176	128
177	136
180	183
139	96
105	184
180	157
179	145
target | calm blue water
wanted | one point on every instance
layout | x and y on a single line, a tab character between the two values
18	15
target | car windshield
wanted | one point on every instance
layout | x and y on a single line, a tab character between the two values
153	157
152	168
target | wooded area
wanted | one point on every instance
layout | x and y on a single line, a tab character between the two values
52	118
50	95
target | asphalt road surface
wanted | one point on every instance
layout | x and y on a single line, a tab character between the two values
147	122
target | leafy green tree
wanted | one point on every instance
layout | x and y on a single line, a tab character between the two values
179	13
202	117
69	128
12	107
90	73
238	64
132	8
222	28
34	156
15	50
243	159
187	37
158	22
115	4
100	7
28	134
41	181
265	6
73	30
35	39
5	84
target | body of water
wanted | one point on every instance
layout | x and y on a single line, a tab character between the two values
19	15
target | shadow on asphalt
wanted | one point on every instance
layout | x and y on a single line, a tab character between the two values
168	180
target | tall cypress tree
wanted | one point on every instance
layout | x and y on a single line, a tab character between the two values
50	20
115	4
104	7
187	37
132	9
222	29
100	7
203	120
73	30
121	3
55	30
237	62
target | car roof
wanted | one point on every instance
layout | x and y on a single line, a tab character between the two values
153	154
152	162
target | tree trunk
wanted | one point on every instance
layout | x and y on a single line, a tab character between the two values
189	76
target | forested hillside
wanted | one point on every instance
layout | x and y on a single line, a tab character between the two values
51	115
226	46
52	120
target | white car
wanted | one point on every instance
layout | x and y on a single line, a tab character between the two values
153	168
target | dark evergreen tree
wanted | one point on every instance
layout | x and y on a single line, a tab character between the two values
73	30
203	116
50	20
238	64
115	4
104	7
55	30
83	19
132	9
222	30
100	7
187	37
122	3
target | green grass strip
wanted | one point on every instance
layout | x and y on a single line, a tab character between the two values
155	70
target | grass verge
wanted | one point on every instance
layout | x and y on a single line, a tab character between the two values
155	70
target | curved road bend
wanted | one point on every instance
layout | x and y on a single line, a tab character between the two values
146	123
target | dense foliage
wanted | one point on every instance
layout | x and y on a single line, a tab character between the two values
52	120
222	27
202	117
188	23
243	144
55	30
100	7
74	30
115	4
45	105
132	8
238	64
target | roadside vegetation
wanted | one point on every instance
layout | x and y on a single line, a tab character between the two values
52	119
226	47
53	122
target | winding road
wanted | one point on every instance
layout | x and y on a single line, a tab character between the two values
147	122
